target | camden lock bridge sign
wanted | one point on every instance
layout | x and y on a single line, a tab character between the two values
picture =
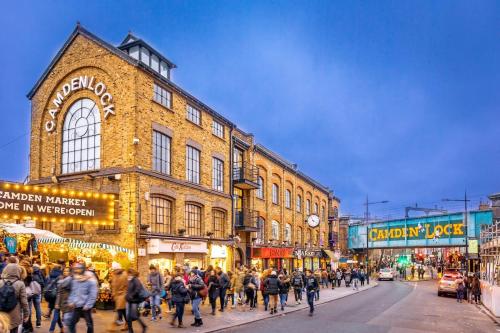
429	231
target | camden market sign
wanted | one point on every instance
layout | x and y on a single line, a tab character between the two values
453	229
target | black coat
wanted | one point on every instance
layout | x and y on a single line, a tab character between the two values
213	286
284	287
271	285
178	290
134	289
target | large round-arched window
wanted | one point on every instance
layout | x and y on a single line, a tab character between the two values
81	137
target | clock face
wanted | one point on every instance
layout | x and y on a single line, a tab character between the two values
313	221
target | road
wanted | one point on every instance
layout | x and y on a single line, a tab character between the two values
392	307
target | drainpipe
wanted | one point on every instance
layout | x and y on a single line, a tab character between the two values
231	189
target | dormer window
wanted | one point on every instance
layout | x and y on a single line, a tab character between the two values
140	50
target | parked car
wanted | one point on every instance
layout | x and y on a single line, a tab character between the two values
386	274
447	284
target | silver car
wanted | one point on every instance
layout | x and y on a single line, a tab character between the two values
386	274
447	285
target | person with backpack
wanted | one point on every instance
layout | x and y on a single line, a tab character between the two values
198	290
298	285
50	292
155	283
311	286
180	297
13	299
136	294
82	297
271	288
62	311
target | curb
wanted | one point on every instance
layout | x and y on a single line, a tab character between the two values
487	312
288	312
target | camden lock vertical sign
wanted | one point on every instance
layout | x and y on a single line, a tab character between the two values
76	84
32	202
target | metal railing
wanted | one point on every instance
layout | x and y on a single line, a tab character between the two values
246	218
245	172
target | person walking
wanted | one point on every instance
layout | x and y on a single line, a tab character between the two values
180	297
62	311
119	283
298	285
50	292
238	285
82	297
476	290
13	299
167	279
135	294
250	287
224	285
361	276
284	289
213	290
339	277
33	291
332	278
324	279
311	285
271	288
155	283
198	291
354	279
347	277
230	289
460	287
38	277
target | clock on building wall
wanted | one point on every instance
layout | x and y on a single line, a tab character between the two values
313	221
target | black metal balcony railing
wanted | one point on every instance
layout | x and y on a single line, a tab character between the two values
246	219
245	175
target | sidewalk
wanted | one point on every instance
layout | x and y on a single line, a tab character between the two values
222	320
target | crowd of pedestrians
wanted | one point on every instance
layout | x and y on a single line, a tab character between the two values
70	291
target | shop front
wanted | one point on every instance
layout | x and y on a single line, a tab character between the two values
272	257
309	259
220	256
169	253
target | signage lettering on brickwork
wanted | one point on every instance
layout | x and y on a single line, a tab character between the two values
76	84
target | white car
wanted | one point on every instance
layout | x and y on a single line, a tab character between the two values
386	274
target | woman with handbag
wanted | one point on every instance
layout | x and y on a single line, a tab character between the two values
249	285
198	291
180	297
136	293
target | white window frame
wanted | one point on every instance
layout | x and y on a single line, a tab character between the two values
193	157
260	191
193	114
275	230
162	96
217	129
276	194
288	199
217	174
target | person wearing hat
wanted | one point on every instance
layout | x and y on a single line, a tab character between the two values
82	297
271	288
11	274
119	282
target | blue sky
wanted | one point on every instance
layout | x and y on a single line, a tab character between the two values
397	100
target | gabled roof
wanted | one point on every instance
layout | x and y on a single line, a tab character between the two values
79	30
131	40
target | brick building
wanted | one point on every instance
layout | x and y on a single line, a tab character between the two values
109	119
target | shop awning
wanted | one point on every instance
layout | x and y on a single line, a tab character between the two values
84	245
19	229
329	254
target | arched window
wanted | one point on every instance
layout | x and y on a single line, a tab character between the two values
192	220
161	215
81	137
261	223
288	199
308	207
299	236
299	203
316	208
260	190
288	233
276	193
275	230
219	218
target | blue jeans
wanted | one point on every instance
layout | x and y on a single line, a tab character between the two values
196	307
179	311
56	319
266	299
35	300
310	300
283	299
155	306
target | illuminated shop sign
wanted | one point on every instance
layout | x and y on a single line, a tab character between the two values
420	231
272	252
27	202
76	84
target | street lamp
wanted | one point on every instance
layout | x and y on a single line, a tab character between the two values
464	200
367	205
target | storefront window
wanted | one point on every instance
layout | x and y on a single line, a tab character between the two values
219	218
81	137
192	220
161	215
162	264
